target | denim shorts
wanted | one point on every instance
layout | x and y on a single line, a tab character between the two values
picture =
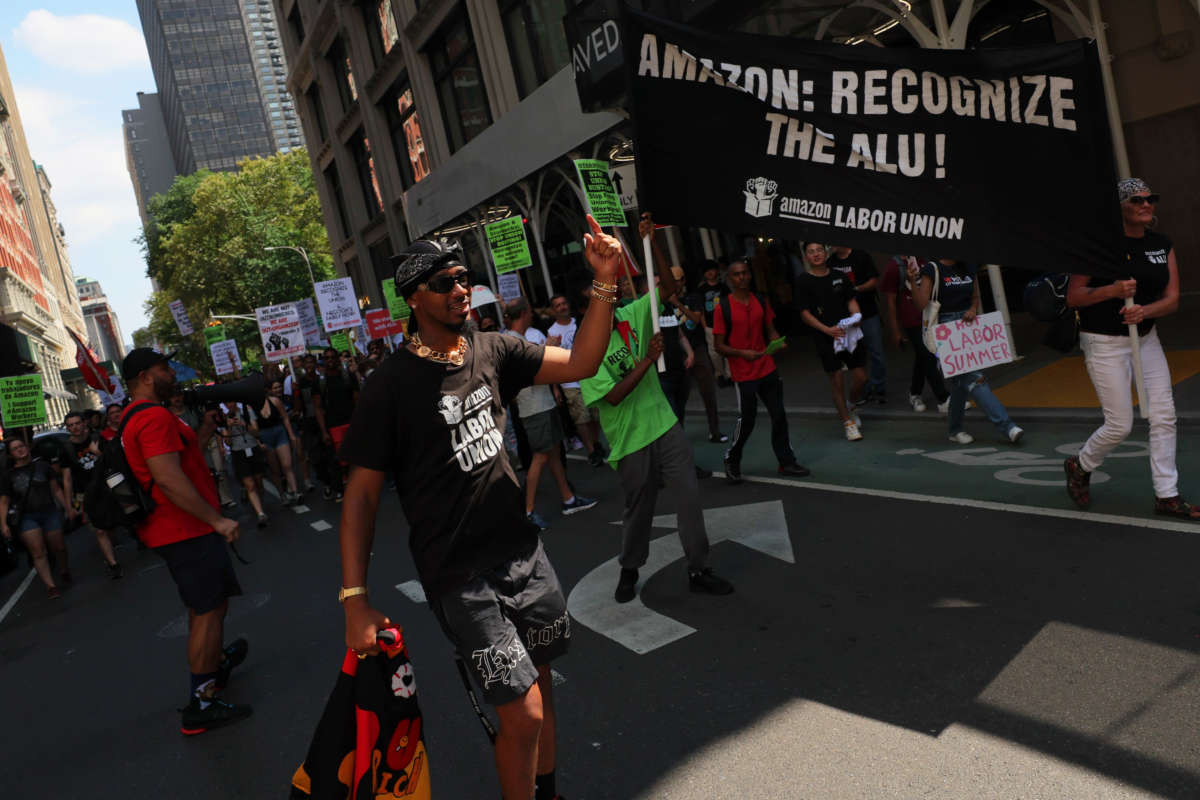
51	520
273	438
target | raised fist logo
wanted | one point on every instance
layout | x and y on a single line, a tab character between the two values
450	408
760	196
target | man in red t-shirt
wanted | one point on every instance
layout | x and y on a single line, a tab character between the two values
743	340
186	529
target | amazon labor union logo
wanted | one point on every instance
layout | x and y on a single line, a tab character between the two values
760	196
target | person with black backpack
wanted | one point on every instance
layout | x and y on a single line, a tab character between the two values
184	526
85	452
743	324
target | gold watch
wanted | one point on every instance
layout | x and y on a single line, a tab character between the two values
353	591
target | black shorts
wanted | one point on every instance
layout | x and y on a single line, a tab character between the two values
248	466
202	570
544	430
832	361
506	623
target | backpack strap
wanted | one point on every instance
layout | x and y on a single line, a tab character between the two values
140	407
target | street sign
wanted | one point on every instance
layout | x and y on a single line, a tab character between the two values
221	353
280	330
214	333
602	200
624	181
21	401
339	305
759	526
181	318
506	240
396	305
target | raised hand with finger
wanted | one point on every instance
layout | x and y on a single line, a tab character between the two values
603	252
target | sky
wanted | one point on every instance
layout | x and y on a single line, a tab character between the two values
74	65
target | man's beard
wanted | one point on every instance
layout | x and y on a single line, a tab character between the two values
164	389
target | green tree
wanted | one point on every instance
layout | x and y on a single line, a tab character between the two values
142	337
207	249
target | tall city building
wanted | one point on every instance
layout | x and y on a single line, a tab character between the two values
36	308
147	150
104	329
270	68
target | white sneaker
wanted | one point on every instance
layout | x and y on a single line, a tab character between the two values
916	402
855	418
962	437
852	432
1015	433
944	406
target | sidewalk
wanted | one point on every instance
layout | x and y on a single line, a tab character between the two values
1043	384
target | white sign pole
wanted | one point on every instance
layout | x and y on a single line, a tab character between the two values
1135	342
651	288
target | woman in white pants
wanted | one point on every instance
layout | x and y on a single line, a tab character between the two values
1104	322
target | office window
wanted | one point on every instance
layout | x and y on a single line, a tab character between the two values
360	148
381	22
459	82
536	41
334	182
339	61
405	128
314	101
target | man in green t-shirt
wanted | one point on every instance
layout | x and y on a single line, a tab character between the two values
648	444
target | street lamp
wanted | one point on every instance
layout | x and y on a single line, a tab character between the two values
303	253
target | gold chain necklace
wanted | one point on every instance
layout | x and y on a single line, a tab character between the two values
455	356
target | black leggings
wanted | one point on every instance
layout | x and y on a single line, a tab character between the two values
770	389
925	368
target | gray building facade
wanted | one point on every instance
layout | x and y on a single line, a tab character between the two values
211	102
147	150
270	68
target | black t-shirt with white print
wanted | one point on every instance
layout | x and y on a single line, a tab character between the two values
440	428
1146	262
859	267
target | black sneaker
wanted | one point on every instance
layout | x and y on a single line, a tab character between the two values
794	470
337	497
702	473
707	582
733	471
718	438
327	493
578	503
114	571
196	720
233	655
626	586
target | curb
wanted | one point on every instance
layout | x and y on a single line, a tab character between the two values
1061	415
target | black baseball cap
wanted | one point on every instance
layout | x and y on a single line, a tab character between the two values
141	359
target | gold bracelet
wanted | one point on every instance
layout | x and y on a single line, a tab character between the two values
607	287
611	300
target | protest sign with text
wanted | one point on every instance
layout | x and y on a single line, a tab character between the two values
222	353
603	203
510	249
309	323
281	332
21	401
339	306
380	324
181	318
898	150
395	303
969	346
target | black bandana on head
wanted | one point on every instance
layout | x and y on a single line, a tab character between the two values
417	262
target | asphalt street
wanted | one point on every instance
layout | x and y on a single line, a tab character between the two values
909	622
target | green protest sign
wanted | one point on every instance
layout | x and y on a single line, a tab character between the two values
214	333
510	249
340	341
21	401
395	303
602	198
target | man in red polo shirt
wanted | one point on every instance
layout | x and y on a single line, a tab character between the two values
743	323
186	529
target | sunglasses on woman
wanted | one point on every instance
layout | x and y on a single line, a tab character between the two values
1138	199
444	284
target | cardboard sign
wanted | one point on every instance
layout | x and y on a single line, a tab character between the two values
309	323
380	324
339	305
970	346
214	333
340	341
221	351
181	318
280	330
21	401
506	240
396	305
602	199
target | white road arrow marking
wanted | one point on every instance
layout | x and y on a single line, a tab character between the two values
760	526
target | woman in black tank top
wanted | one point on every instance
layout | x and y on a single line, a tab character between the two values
275	432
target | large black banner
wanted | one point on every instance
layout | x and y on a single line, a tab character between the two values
991	156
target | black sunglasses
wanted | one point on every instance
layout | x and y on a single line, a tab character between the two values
444	284
1138	199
